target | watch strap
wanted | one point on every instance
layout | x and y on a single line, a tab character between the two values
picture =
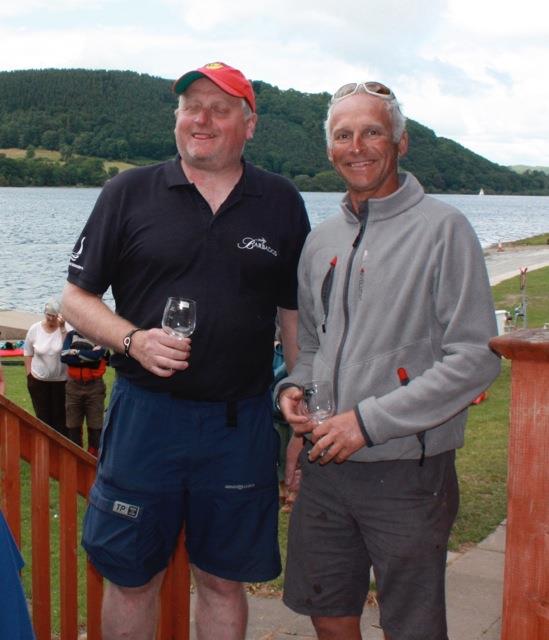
127	342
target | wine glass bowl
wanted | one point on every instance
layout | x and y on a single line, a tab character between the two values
179	318
318	400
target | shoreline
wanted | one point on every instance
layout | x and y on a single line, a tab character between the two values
502	263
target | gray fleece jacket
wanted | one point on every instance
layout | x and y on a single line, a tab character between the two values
402	286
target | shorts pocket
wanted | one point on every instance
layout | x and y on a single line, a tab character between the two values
111	528
121	532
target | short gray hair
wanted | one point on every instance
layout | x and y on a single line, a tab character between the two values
393	107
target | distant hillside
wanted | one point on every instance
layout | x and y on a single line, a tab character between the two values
523	168
126	116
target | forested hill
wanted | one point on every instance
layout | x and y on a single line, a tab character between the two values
122	115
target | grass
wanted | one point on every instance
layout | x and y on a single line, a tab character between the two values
507	295
18	154
543	238
481	464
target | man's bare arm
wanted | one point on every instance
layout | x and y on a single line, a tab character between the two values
154	349
287	319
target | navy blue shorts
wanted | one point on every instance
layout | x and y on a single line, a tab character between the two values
166	462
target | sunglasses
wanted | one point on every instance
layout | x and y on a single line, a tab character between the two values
372	88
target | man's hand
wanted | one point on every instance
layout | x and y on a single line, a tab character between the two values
160	353
291	405
336	438
292	474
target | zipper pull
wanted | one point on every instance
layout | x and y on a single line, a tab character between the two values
326	290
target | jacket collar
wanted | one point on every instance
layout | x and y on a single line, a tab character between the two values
409	193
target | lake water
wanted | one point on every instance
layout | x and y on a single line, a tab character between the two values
40	225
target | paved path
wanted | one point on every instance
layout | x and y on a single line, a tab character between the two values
474	587
506	264
14	324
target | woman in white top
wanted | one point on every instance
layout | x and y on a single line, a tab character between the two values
46	374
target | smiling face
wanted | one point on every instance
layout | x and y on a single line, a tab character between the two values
362	148
211	128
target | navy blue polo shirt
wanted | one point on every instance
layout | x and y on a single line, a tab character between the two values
152	235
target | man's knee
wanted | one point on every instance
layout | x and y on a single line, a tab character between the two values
131	612
206	582
337	628
133	597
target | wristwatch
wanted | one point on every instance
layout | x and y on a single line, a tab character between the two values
127	342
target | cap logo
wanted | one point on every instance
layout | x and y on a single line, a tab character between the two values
214	65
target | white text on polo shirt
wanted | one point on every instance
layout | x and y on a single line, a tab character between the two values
256	243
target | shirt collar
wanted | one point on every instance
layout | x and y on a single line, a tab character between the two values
250	181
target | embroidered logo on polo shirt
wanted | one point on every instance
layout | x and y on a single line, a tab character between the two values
256	243
75	255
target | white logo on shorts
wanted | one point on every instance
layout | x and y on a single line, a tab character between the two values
239	487
125	509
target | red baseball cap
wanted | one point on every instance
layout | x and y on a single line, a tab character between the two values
227	78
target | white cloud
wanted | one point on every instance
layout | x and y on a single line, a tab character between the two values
499	18
469	69
14	8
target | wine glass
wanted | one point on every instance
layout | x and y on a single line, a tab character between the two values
318	400
179	318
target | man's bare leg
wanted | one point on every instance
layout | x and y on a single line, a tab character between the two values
131	612
221	609
337	628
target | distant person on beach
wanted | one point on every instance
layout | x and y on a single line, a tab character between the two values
189	437
46	374
85	390
395	311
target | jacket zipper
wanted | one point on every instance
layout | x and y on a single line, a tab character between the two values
345	302
326	290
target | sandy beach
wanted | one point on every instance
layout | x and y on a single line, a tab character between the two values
501	265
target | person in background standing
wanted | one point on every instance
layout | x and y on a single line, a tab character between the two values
46	374
85	390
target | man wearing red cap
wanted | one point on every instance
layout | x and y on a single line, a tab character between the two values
188	437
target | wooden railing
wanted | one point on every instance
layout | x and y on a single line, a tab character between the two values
50	455
526	578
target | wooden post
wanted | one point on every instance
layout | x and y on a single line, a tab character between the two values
526	577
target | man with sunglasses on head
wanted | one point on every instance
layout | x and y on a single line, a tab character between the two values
188	438
395	310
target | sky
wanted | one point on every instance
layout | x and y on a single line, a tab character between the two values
475	71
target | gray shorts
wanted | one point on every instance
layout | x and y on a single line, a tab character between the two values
395	516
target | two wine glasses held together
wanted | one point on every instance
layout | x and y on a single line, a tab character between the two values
178	324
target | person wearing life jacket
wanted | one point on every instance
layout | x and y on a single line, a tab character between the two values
85	390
